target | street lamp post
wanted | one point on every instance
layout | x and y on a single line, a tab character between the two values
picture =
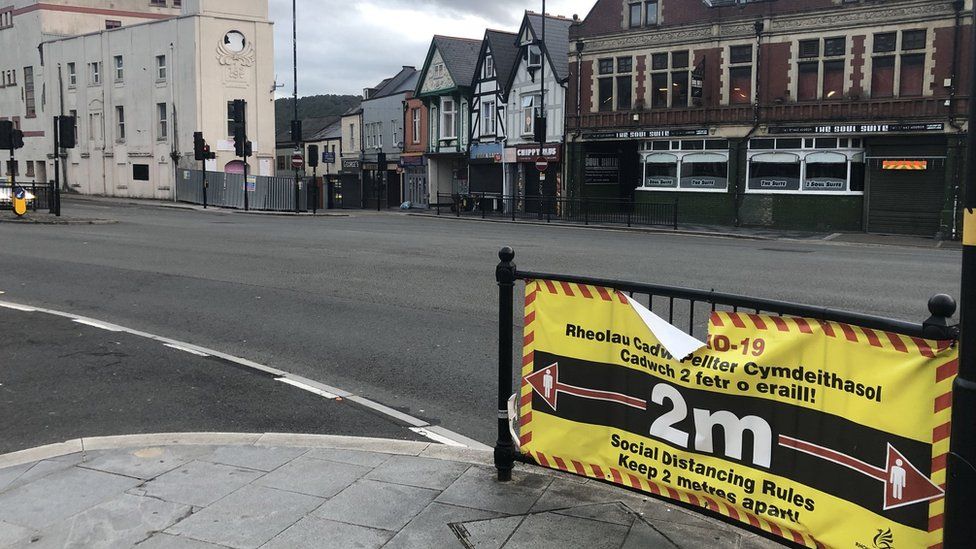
296	136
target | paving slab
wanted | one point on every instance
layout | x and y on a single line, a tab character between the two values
12	535
557	531
123	521
313	477
642	535
614	513
58	496
248	518
197	483
478	488
162	540
354	457
23	474
377	505
144	463
431	528
436	474
487	534
262	458
566	491
316	532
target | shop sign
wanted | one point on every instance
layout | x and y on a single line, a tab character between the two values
667	182
856	128
328	158
530	153
648	134
601	169
411	161
824	185
703	183
351	165
486	151
773	184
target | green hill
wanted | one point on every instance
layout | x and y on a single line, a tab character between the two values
313	106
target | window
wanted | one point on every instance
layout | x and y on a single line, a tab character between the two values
809	48
119	72
810	165
140	172
488	118
624	93
605	89
659	90
912	75
29	99
448	119
29	172
606	66
913	40
636	15
616	92
679	88
679	60
659	61
95	74
416	125
74	115
535	56
379	135
160	67
161	115
489	67
157	3
112	24
884	42
825	171
660	171
740	77
809	74
95	126
7	18
72	75
834	47
651	14
625	64
230	118
774	171
530	110
703	171
120	123
281	162
833	80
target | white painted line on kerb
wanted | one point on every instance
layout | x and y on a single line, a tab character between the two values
18	307
308	388
416	425
185	349
97	324
437	438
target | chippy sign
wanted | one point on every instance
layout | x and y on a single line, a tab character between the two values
822	433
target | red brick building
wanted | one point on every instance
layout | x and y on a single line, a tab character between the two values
412	162
801	114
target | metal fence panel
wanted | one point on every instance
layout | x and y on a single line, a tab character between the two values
569	210
226	190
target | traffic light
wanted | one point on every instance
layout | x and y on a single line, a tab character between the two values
248	152
381	161
296	131
6	134
199	145
66	132
207	155
17	139
239	140
540	129
240	112
313	156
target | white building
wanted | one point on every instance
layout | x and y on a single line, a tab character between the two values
141	76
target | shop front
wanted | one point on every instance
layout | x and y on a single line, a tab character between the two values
485	169
415	180
535	185
348	190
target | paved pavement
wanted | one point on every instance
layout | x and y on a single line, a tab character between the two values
402	309
61	379
284	491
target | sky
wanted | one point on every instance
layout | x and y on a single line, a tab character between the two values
345	46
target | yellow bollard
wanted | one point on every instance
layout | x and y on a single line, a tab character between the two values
19	196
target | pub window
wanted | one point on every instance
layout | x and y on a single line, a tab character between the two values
825	171
913	39
774	172
704	171
624	92
912	74
834	47
636	15
606	94
606	66
659	61
625	64
660	171
616	92
883	76
651	13
659	90
740	77
679	60
679	88
884	42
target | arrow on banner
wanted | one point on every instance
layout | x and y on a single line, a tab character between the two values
904	483
546	384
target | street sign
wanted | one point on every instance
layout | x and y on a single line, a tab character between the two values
297	161
328	158
542	164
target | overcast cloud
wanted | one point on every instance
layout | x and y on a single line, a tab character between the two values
346	46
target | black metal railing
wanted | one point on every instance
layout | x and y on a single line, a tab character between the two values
682	307
584	211
47	197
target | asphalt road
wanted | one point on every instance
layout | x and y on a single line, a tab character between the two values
62	380
402	309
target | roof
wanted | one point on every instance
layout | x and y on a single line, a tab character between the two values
460	56
504	51
332	131
405	80
310	128
557	40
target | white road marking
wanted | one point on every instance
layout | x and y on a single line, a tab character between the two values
184	349
17	307
437	438
308	388
97	324
419	426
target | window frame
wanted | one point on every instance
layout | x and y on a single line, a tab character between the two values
416	126
95	73
162	69
72	69
120	124
445	114
119	66
162	122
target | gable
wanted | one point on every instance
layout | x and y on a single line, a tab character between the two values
438	77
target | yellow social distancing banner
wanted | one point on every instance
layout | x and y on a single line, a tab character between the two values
822	433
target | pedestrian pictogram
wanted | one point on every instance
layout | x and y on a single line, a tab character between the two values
904	483
546	383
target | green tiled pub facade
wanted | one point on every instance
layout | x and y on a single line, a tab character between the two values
876	198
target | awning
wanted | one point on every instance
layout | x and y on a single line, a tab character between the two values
660	158
776	158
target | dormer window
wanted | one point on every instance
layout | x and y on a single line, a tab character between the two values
643	14
489	67
535	57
